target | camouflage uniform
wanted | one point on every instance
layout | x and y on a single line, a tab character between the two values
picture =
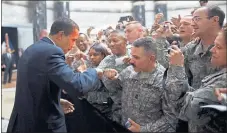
187	107
197	60
142	99
99	97
197	63
162	51
114	92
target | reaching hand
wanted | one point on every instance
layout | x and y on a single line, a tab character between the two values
78	55
158	17
111	74
220	92
69	60
164	31
134	126
126	60
176	21
67	106
99	72
176	57
83	66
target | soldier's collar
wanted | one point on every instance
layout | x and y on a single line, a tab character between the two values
120	56
201	51
145	75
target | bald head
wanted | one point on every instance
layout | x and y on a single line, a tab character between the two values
43	33
133	31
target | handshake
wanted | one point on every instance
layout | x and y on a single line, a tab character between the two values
111	74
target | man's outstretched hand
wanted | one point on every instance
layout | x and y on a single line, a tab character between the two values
67	106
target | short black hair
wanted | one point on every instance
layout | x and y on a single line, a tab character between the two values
86	37
99	47
147	43
216	11
120	32
63	24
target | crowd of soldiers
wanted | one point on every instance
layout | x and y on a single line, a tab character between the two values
157	79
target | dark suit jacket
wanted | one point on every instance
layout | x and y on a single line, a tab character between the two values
8	62
86	118
42	71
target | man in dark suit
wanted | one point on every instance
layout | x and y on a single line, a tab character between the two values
42	73
8	62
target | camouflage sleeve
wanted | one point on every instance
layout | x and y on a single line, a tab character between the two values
191	109
109	84
176	81
117	83
180	77
162	51
175	89
104	63
186	51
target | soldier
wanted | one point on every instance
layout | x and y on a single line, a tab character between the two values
197	55
142	90
133	30
188	106
99	97
83	43
117	44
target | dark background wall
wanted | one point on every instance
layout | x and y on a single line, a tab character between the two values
13	37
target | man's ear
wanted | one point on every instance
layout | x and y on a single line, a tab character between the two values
152	57
215	19
140	29
60	34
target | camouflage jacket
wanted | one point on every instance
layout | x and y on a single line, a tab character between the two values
162	51
197	63
142	99
197	60
97	97
187	107
114	92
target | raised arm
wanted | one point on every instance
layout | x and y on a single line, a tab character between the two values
62	75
